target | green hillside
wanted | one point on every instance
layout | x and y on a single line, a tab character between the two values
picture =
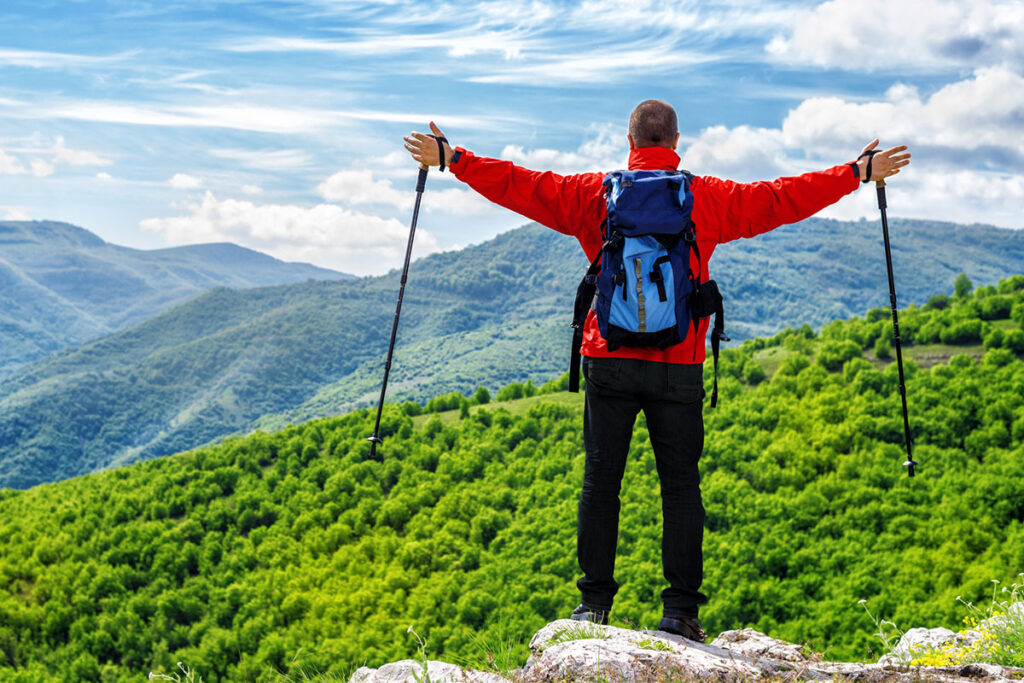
231	361
61	285
292	551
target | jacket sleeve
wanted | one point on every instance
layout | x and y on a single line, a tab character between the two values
730	210
568	204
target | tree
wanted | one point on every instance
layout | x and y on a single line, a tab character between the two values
962	287
482	396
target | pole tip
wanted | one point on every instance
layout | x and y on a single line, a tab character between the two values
910	464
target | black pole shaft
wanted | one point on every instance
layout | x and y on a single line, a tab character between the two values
420	185
909	464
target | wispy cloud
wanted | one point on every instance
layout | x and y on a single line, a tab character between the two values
609	64
463	43
259	118
57	60
266	159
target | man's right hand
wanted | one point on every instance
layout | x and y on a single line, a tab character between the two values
883	164
423	148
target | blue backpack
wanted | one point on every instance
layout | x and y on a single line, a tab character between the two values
640	285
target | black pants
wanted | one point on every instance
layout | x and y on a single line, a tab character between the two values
671	398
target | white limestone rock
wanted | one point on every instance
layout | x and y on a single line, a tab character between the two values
575	650
410	671
916	641
759	646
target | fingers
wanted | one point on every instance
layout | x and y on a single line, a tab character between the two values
435	130
870	146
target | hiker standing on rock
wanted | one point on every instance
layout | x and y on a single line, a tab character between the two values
665	378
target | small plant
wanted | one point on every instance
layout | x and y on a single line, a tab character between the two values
423	677
498	654
889	639
653	644
582	631
187	675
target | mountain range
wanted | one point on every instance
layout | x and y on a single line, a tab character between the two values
230	361
61	285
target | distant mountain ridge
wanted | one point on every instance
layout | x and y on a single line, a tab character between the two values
61	285
230	361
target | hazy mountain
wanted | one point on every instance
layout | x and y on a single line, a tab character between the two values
61	285
487	315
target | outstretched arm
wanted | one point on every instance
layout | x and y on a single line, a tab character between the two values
729	210
569	204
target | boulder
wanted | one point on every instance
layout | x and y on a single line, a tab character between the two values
410	671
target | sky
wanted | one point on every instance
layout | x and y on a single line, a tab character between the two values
278	125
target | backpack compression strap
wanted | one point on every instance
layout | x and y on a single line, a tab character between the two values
584	298
717	336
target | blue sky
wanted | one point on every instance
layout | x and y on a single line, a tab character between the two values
278	125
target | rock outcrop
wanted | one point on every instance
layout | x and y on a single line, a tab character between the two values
567	650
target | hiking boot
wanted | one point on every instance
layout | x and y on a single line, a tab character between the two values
594	616
687	627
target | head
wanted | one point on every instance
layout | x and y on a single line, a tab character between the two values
653	124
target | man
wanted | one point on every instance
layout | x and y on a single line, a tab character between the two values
666	384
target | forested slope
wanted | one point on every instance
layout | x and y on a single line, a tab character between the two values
293	550
230	361
61	285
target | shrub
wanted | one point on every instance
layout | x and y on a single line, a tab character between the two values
883	348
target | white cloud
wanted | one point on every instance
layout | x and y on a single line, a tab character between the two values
104	176
882	34
41	168
327	235
968	160
360	187
606	149
952	118
252	190
46	158
354	187
743	154
183	181
10	165
76	157
14	213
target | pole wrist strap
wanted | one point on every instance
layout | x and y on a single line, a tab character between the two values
870	154
440	149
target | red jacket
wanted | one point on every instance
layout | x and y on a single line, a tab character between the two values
723	211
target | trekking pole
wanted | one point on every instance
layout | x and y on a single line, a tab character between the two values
420	184
880	186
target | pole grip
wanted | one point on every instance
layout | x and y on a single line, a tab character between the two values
421	182
880	188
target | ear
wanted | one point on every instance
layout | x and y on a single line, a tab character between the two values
675	143
632	146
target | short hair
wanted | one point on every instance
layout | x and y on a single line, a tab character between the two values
653	124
